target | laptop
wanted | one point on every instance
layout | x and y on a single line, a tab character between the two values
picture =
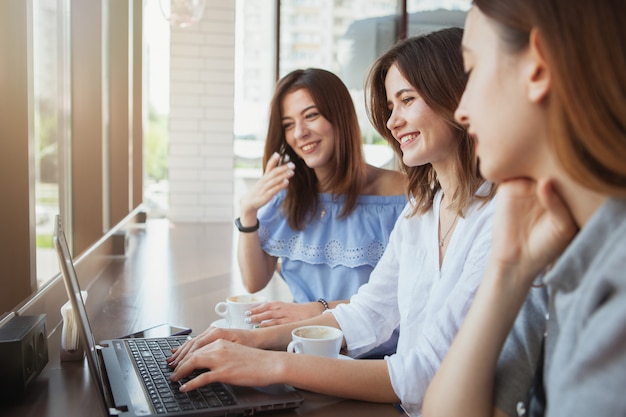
132	375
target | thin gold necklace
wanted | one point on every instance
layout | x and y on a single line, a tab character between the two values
442	240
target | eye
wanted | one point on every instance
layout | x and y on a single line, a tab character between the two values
311	116
407	100
287	125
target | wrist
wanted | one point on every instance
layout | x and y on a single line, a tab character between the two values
248	212
324	304
510	277
247	227
281	366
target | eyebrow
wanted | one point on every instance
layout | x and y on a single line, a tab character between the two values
306	109
402	91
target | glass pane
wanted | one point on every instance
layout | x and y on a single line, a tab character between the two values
430	15
156	137
342	36
50	117
255	33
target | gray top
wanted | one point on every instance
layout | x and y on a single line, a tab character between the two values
518	359
585	368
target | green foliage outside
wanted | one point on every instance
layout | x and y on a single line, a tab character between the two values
156	146
44	241
372	137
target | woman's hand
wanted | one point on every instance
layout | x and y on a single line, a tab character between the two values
278	312
229	362
274	179
243	337
532	226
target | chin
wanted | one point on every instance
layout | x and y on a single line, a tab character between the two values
412	161
489	173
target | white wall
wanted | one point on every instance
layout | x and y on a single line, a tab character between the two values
201	160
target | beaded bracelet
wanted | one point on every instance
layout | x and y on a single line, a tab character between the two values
324	303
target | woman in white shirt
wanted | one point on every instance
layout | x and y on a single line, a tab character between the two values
427	276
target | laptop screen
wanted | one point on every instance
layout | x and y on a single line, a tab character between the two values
78	306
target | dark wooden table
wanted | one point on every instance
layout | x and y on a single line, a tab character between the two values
171	274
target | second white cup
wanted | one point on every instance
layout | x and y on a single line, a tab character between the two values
235	307
316	340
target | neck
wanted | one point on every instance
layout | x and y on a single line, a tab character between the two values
582	202
448	187
322	179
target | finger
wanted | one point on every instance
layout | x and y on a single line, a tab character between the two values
182	370
268	306
555	205
195	383
269	323
188	348
272	162
178	354
266	315
280	175
191	362
261	308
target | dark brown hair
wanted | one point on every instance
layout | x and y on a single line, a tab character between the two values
433	65
584	44
334	102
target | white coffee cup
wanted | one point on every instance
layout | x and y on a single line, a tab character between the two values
316	340
235	307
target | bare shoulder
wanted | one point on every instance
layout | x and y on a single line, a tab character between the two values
384	182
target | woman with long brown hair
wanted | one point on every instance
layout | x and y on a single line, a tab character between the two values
320	208
546	100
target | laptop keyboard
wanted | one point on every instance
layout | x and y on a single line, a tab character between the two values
149	356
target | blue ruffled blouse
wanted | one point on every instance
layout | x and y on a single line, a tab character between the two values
332	256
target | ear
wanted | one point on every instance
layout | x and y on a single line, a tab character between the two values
539	80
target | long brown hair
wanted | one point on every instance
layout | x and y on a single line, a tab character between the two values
348	177
433	65
584	44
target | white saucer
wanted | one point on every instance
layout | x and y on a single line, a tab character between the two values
221	323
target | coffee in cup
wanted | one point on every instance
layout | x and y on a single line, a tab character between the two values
316	340
235	307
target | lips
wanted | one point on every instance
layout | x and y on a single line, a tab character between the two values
405	139
309	147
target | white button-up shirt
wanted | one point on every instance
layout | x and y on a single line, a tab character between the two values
408	288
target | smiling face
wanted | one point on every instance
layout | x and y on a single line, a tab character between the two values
424	136
497	105
307	132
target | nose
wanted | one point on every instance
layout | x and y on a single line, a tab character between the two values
461	114
394	121
300	130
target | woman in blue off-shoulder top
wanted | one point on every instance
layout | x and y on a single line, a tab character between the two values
333	256
319	208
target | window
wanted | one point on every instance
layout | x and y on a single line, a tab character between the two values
51	118
344	37
427	15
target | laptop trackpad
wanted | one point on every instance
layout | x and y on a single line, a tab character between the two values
271	397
